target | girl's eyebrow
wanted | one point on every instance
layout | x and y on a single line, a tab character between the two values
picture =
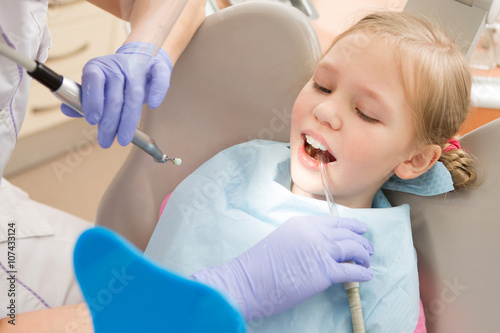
327	66
376	96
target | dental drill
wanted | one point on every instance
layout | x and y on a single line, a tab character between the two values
69	92
352	288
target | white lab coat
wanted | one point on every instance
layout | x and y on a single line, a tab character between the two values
44	237
22	26
43	253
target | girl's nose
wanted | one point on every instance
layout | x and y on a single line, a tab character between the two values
327	114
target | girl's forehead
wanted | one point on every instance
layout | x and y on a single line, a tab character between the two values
359	42
361	50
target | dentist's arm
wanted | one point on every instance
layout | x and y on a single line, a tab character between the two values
147	19
69	318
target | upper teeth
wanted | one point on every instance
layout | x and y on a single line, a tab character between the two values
316	144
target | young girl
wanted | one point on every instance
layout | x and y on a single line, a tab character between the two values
384	104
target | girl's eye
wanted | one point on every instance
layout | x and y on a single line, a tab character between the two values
323	89
365	117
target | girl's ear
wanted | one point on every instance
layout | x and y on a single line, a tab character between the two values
419	162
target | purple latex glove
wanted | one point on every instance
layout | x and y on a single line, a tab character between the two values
115	87
300	259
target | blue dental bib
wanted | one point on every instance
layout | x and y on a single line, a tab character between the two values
242	194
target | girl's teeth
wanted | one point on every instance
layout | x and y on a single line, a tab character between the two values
310	140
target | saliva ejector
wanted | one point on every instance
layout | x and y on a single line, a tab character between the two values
352	288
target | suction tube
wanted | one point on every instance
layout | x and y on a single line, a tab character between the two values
352	288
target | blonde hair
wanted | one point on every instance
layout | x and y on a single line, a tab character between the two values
436	79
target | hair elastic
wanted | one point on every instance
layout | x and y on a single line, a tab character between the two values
454	144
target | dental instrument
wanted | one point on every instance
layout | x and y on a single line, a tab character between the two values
69	92
352	288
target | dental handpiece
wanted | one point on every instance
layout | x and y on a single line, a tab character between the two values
69	92
351	288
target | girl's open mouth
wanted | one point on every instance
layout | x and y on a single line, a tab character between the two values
313	148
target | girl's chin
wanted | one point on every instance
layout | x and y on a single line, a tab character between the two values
295	189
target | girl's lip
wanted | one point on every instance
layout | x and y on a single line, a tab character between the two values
304	158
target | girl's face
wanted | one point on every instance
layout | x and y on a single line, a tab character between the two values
355	106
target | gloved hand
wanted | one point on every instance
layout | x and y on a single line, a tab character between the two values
114	88
300	259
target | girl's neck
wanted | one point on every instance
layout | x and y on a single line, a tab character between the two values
350	202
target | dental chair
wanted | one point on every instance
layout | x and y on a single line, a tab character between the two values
236	81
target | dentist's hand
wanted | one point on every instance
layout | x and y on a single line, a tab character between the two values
300	259
115	87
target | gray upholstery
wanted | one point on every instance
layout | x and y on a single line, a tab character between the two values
456	237
238	80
